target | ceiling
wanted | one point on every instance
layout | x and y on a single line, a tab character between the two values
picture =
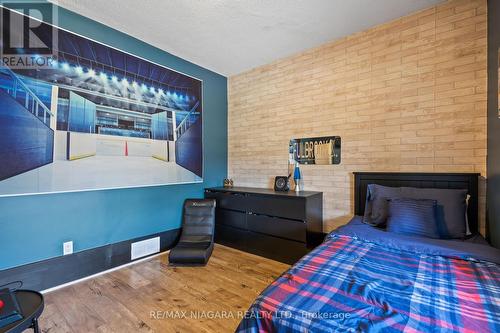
232	36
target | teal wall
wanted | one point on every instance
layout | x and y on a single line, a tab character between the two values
33	228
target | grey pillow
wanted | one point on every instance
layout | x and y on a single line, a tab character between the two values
450	210
377	207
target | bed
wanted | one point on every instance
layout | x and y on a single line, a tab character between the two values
365	279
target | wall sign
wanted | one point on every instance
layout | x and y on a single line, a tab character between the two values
320	150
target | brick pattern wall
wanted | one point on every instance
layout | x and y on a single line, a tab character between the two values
408	95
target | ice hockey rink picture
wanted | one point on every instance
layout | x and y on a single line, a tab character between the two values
96	118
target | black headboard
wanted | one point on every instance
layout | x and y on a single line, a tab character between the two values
467	181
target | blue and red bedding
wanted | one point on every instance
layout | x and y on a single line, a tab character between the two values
362	279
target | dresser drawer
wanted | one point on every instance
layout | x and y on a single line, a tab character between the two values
226	200
232	237
279	249
287	207
231	218
275	226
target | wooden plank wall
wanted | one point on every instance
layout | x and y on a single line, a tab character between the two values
408	95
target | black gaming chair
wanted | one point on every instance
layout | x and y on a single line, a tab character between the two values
197	239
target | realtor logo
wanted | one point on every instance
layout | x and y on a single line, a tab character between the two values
28	42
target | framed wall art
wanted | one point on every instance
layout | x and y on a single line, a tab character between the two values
76	114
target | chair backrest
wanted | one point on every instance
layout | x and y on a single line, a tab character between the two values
198	221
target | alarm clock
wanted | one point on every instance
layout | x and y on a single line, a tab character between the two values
281	183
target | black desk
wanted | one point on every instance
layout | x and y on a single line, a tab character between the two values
282	226
31	304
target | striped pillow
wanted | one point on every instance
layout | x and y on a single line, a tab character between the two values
413	217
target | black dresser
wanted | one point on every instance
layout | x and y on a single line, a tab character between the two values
282	226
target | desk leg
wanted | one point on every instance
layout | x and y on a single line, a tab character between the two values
34	324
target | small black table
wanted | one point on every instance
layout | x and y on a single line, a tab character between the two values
31	304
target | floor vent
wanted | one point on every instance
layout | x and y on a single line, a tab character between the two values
144	248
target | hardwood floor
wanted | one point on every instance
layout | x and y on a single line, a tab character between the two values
152	296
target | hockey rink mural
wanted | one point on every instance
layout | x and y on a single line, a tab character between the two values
87	116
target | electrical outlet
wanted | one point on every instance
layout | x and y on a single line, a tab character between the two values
68	248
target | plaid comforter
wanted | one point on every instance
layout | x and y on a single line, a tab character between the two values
351	285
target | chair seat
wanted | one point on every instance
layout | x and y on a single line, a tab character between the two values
191	253
196	242
197	245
